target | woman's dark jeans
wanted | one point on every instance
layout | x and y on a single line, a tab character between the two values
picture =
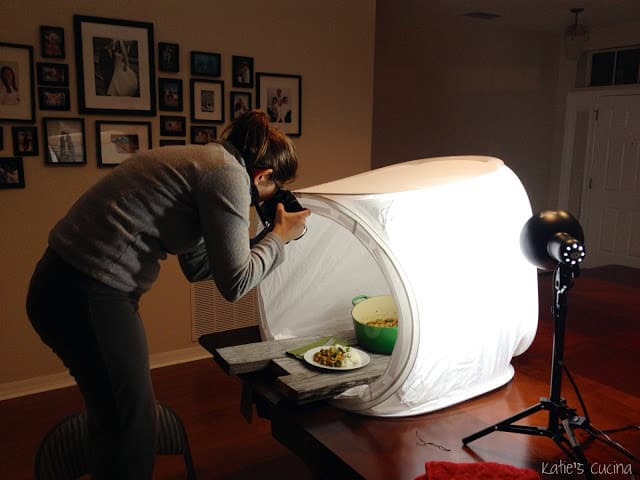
98	334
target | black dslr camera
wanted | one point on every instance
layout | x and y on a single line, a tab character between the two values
267	209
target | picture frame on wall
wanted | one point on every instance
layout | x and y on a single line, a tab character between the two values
168	57
242	71
170	94
11	173
207	101
116	141
17	102
205	64
1	138
52	74
280	95
54	98
201	135
115	66
25	141
239	103
52	42
173	126
64	141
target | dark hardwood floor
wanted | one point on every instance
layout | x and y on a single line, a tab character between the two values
603	305
224	446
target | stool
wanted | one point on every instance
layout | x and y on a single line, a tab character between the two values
64	453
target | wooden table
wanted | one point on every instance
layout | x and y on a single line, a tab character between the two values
339	444
602	353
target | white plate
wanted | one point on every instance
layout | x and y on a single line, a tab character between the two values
308	357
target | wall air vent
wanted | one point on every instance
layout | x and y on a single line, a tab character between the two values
482	15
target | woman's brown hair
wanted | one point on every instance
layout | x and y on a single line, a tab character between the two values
263	146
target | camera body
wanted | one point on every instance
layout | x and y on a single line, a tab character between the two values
267	210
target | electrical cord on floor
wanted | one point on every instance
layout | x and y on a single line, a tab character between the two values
601	435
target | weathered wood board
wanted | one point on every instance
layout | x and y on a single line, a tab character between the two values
295	379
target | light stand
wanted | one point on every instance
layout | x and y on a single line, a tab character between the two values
555	239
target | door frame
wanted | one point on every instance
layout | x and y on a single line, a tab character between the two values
580	101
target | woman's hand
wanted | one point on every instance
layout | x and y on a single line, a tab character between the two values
289	225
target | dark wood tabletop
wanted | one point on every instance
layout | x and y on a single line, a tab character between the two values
602	354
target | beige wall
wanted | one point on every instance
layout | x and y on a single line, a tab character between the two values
456	86
330	43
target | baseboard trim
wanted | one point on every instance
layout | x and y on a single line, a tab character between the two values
54	381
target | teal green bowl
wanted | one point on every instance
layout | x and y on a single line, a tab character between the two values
367	309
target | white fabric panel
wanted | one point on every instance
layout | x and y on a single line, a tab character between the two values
441	236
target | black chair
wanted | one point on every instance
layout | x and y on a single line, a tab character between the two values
63	454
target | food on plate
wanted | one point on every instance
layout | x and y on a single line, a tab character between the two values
384	322
337	356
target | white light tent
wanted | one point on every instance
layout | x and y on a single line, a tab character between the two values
442	236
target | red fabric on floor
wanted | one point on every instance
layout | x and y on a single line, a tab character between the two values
476	471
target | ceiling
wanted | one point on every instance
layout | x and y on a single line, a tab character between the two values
543	15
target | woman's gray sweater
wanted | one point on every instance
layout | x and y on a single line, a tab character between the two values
193	201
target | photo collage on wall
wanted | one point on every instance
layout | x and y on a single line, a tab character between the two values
120	72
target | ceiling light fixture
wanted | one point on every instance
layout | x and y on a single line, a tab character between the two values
575	37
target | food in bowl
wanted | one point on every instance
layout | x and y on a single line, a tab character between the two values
384	322
375	321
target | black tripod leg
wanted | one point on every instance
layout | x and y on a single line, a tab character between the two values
597	434
503	424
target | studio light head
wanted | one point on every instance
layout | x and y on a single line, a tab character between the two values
552	237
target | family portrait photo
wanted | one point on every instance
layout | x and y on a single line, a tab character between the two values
280	95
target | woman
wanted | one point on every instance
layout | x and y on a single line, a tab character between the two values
104	254
9	94
124	81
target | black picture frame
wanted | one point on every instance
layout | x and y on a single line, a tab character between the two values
25	141
205	64
52	74
54	98
11	173
242	71
239	103
207	101
170	94
17	105
278	86
52	42
173	126
116	141
168	57
115	66
1	138
203	134
165	142
64	141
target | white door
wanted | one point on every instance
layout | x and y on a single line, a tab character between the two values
611	197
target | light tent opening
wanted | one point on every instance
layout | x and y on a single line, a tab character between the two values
441	236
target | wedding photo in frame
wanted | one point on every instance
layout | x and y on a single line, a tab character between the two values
64	141
115	66
11	172
17	102
117	141
207	101
280	95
